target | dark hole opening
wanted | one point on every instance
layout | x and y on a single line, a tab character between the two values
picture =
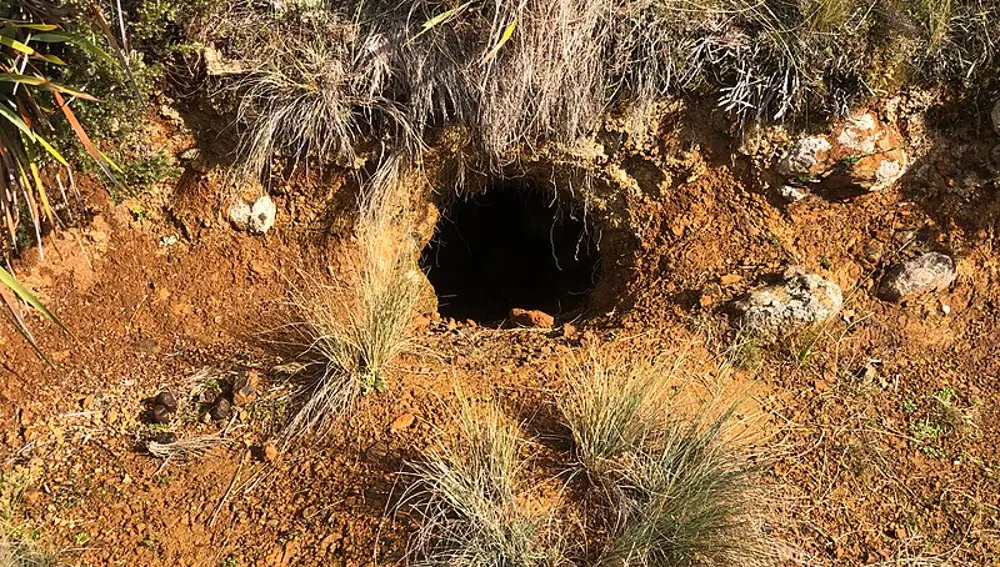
510	247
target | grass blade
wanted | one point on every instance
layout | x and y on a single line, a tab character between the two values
16	45
439	19
504	38
44	83
11	282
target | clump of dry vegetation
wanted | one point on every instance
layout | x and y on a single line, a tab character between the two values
324	78
468	494
185	449
661	488
15	551
18	546
611	402
356	328
673	489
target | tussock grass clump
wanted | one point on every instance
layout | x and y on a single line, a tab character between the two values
330	78
356	328
662	489
468	496
311	85
611	402
18	547
685	502
674	491
22	553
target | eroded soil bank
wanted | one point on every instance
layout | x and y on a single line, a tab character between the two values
878	431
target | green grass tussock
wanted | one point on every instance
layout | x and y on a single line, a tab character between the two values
685	502
673	489
468	496
661	489
609	407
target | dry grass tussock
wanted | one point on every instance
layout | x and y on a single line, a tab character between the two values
468	494
662	488
675	490
329	78
16	552
355	328
185	449
18	547
611	401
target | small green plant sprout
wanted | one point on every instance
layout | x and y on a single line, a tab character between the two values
952	418
909	405
81	538
926	430
927	434
746	351
944	396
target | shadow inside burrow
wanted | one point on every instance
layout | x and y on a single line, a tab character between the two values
512	246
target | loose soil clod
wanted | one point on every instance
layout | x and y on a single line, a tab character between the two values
160	414
531	318
167	400
222	410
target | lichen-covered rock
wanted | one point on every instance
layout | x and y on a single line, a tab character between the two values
924	274
262	215
860	154
807	157
239	215
800	301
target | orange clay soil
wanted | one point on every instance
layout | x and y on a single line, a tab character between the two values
865	466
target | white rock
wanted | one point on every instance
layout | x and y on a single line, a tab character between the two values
800	301
857	134
791	194
804	156
927	273
239	215
262	215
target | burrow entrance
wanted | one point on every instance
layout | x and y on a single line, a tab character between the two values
511	246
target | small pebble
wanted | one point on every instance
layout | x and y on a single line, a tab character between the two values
271	452
402	422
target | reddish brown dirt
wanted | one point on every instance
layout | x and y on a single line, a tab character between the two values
839	414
